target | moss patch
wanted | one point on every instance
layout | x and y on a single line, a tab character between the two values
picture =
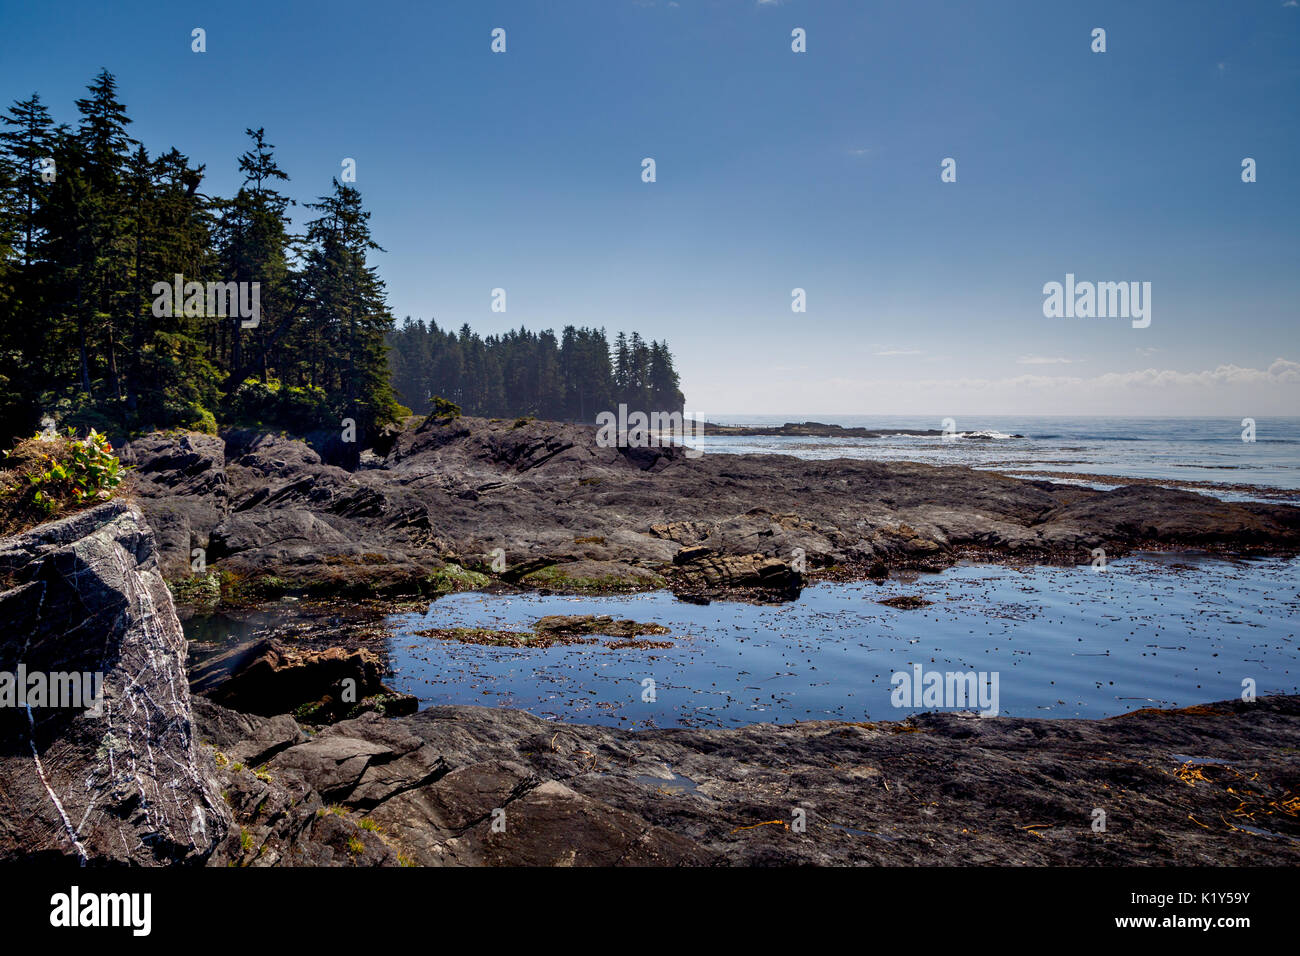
581	624
557	629
199	591
453	577
555	576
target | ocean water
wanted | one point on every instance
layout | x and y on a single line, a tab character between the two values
1154	630
1172	450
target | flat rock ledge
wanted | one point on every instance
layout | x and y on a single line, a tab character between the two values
1208	785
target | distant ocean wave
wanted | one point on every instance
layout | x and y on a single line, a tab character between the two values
988	435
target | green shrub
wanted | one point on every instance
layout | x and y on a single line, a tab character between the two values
271	404
199	419
443	409
51	473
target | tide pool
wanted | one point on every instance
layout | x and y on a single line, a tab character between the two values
1153	630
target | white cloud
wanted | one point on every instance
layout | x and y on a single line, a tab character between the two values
901	352
1045	360
1227	389
1281	372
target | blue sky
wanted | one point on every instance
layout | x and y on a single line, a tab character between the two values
775	170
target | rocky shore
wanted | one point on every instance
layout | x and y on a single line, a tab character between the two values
287	756
447	504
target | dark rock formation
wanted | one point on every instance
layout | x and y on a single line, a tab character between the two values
1209	785
705	570
567	514
268	678
120	783
182	476
823	430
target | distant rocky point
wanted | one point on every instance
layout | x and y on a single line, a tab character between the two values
823	430
812	430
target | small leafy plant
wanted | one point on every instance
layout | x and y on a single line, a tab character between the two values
50	473
80	469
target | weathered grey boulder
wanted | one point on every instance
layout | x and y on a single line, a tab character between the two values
180	478
84	594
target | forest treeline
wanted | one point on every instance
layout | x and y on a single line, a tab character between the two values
572	378
91	221
93	226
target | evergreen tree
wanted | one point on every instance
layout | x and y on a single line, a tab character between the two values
80	255
25	141
253	240
348	312
101	245
171	379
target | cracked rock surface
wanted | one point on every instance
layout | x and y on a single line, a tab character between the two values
570	515
85	595
1208	785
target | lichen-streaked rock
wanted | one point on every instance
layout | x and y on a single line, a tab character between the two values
85	594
